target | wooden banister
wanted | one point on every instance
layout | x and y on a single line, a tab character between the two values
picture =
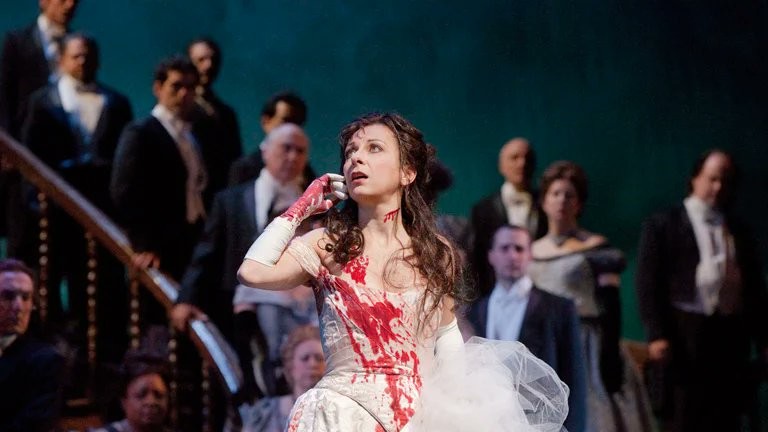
209	342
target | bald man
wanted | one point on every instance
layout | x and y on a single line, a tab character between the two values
703	301
237	217
516	203
281	108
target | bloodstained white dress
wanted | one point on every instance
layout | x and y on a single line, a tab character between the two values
382	373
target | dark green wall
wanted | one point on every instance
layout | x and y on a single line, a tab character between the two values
633	90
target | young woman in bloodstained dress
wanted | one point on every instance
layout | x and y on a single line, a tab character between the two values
385	284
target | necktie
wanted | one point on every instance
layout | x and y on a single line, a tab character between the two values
729	300
196	176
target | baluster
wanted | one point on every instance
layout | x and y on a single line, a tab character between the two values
43	260
134	328
92	306
205	386
174	384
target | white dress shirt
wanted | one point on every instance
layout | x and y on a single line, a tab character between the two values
197	178
506	310
84	104
49	32
713	246
269	193
273	195
517	203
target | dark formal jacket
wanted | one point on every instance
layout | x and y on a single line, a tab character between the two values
50	135
30	383
23	69
550	330
210	280
666	273
217	122
149	192
487	216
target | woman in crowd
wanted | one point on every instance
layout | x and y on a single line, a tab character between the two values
385	283
304	364
575	263
144	395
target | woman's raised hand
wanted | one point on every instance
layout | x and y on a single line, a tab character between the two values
322	194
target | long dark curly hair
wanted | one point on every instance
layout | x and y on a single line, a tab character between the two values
431	255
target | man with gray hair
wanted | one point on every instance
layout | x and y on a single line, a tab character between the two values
237	217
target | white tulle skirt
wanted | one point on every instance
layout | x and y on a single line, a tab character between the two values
491	386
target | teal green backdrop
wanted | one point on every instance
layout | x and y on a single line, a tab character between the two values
633	90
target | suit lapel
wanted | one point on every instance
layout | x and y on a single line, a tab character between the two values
687	236
37	43
498	208
54	99
102	124
249	201
530	331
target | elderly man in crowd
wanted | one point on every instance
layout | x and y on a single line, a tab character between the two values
238	216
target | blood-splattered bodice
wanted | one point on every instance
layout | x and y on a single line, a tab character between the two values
373	353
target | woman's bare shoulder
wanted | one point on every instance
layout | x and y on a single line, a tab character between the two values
543	248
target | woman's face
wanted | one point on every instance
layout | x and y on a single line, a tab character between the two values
308	365
561	202
146	401
372	164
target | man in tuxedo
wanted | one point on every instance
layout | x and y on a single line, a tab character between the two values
30	371
281	108
28	61
238	216
159	181
546	324
516	203
73	126
211	115
703	300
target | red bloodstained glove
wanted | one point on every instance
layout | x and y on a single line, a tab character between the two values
320	196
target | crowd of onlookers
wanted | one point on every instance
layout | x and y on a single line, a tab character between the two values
191	204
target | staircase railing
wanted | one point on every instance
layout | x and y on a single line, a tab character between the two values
209	342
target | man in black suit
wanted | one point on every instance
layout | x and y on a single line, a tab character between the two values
211	115
29	59
703	300
281	108
30	371
546	324
28	62
238	216
73	126
159	178
516	203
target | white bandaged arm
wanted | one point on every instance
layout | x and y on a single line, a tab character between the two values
320	196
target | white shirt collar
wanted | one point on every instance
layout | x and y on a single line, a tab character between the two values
510	195
702	211
518	291
175	125
49	28
267	189
68	90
